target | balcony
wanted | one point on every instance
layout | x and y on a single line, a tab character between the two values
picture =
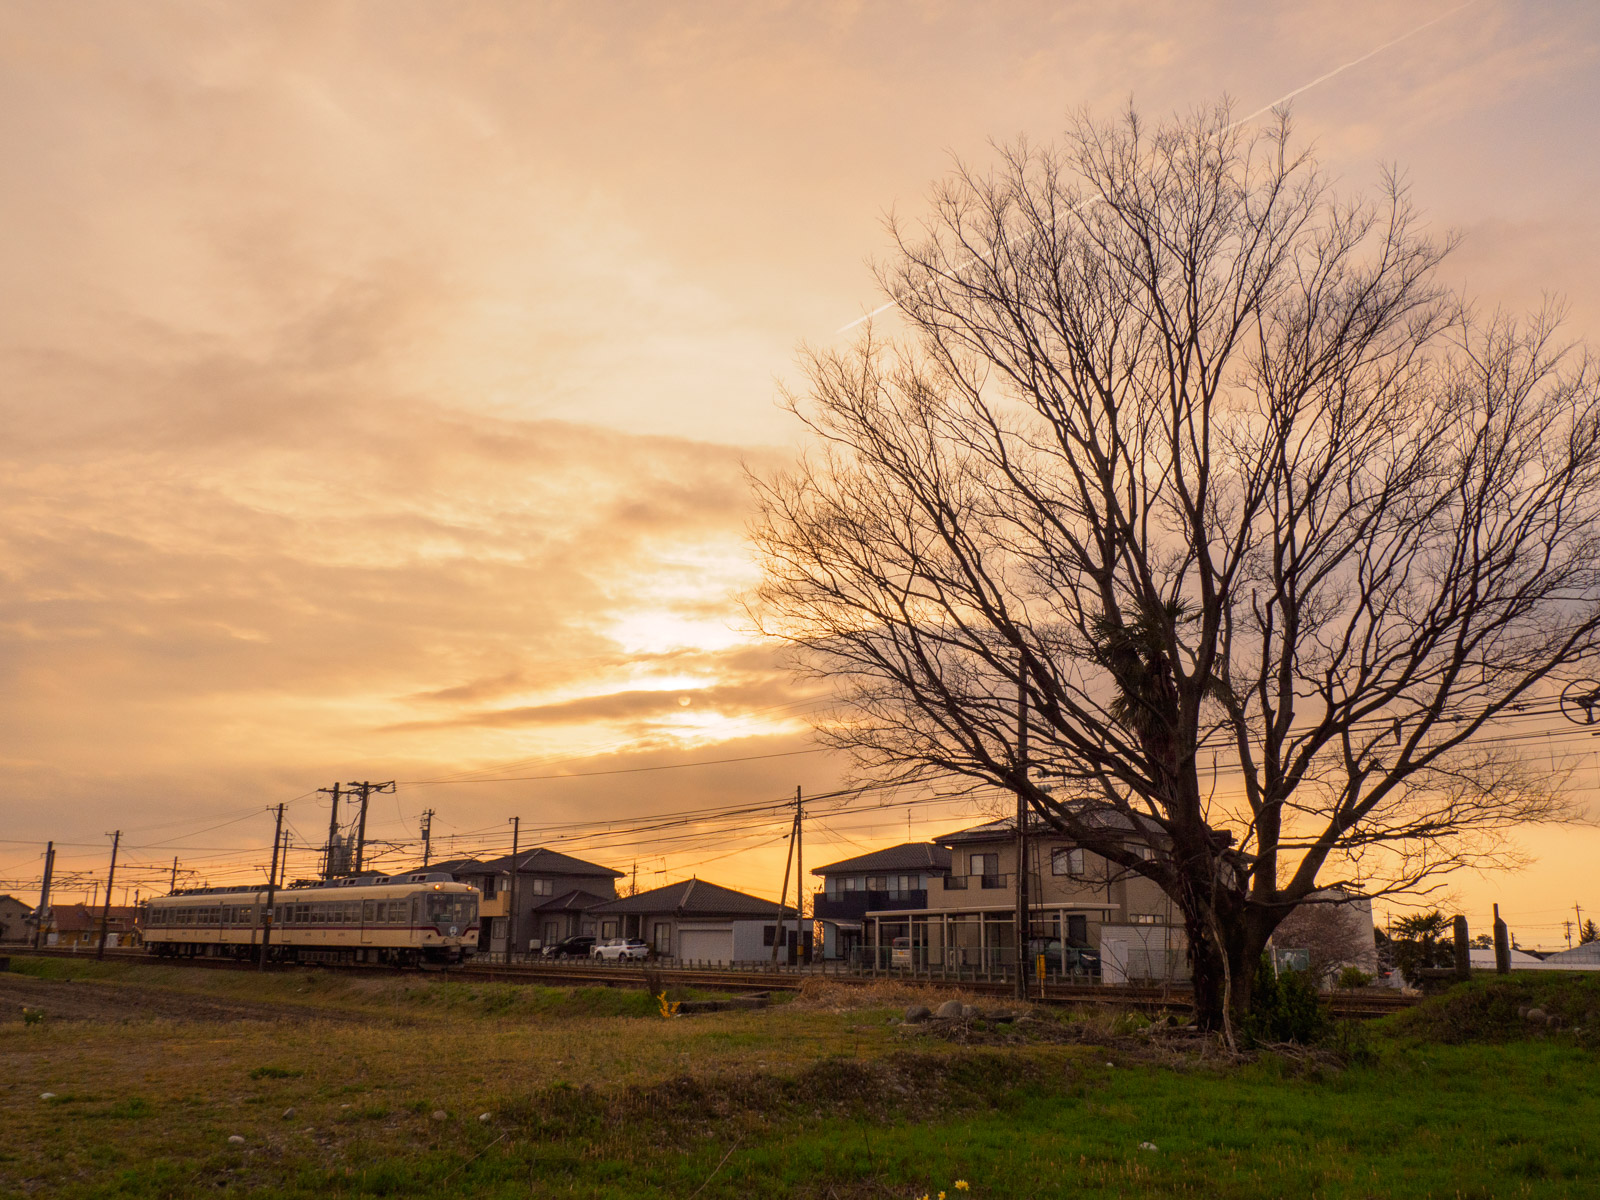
493	906
852	906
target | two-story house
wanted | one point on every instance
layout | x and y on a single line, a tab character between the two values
1076	899
891	880
554	894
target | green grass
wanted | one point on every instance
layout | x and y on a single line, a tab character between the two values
588	1096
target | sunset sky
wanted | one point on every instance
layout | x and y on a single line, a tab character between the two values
379	378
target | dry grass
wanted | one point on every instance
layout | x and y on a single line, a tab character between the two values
821	994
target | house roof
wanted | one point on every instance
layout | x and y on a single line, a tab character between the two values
26	907
1587	952
908	856
533	861
577	900
695	898
70	917
1006	827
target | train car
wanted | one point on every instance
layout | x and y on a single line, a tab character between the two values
407	920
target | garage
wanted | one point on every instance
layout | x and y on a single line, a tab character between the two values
706	945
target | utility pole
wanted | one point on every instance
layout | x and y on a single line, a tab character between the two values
799	875
427	837
333	830
633	888
366	789
174	886
511	906
40	917
1022	916
272	887
788	858
111	877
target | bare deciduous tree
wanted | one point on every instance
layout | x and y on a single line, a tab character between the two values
1268	525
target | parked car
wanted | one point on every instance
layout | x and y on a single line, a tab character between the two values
616	949
900	952
1065	960
572	947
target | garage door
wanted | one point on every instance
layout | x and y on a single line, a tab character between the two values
705	945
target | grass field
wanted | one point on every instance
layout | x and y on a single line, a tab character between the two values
344	1086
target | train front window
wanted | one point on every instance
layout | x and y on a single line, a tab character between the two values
452	910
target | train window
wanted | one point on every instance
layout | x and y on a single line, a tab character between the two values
366	912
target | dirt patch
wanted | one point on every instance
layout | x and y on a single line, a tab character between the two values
85	1000
821	994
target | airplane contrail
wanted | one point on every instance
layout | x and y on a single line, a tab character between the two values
1305	87
1346	66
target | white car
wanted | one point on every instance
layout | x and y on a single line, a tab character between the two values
615	949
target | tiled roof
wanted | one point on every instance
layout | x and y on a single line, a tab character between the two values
695	898
577	900
1006	827
70	917
908	856
534	861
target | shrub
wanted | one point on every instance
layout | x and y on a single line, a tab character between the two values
1354	977
1284	1008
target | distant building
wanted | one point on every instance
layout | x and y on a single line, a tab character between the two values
554	893
697	921
1584	956
896	878
77	926
15	920
1077	900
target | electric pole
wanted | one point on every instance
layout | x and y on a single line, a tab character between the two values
44	894
427	837
272	886
333	830
111	876
366	789
511	907
788	858
1022	829
174	886
799	875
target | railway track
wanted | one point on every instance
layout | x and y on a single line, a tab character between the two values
1147	999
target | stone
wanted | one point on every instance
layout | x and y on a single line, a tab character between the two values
969	1010
1538	1015
917	1014
949	1010
1522	1011
483	1117
439	1114
235	1140
47	1095
1147	1145
288	1113
1554	1021
1000	1016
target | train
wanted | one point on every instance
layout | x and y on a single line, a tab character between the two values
416	920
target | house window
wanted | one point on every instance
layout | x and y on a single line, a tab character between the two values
663	938
1067	862
1142	918
877	883
608	929
983	864
541	887
1078	929
852	883
834	886
769	933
